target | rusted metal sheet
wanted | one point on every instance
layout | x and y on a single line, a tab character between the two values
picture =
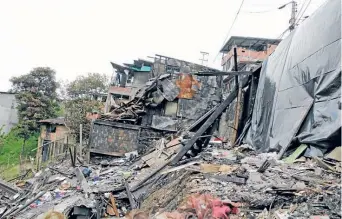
204	99
110	137
188	85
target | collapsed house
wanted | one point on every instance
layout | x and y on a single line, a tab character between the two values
169	100
159	154
243	104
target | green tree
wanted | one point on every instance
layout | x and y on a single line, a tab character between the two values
37	98
89	86
82	97
76	111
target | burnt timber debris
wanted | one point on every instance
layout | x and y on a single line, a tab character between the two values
260	139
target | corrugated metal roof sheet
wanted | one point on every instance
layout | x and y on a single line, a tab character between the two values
142	69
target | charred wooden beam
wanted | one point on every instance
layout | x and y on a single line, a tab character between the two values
6	187
218	111
237	107
136	187
30	201
233	73
130	196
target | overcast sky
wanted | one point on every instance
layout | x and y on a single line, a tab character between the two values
79	36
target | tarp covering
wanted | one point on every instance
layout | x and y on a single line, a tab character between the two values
299	91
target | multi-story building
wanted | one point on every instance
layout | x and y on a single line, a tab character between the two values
250	52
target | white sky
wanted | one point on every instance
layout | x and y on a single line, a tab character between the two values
80	36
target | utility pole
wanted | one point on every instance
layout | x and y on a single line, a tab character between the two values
292	20
293	15
204	59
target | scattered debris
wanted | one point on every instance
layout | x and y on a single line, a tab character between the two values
82	180
215	168
161	191
158	153
322	164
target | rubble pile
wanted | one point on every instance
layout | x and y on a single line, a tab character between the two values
128	112
150	95
172	148
218	183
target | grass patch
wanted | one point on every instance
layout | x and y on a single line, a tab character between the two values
10	151
10	172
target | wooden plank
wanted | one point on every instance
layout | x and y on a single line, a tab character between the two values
75	153
112	209
198	121
162	166
116	124
38	154
88	146
180	167
234	73
237	115
114	154
53	149
237	107
81	140
295	154
130	196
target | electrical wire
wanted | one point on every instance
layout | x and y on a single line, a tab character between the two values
301	8
283	33
303	12
299	16
231	27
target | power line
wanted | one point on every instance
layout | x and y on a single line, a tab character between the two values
299	17
303	12
231	27
301	8
283	33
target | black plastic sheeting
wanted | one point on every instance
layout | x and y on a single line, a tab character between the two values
299	90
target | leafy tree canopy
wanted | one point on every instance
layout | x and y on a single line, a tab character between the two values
88	86
36	96
81	98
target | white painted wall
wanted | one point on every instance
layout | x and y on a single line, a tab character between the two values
8	111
